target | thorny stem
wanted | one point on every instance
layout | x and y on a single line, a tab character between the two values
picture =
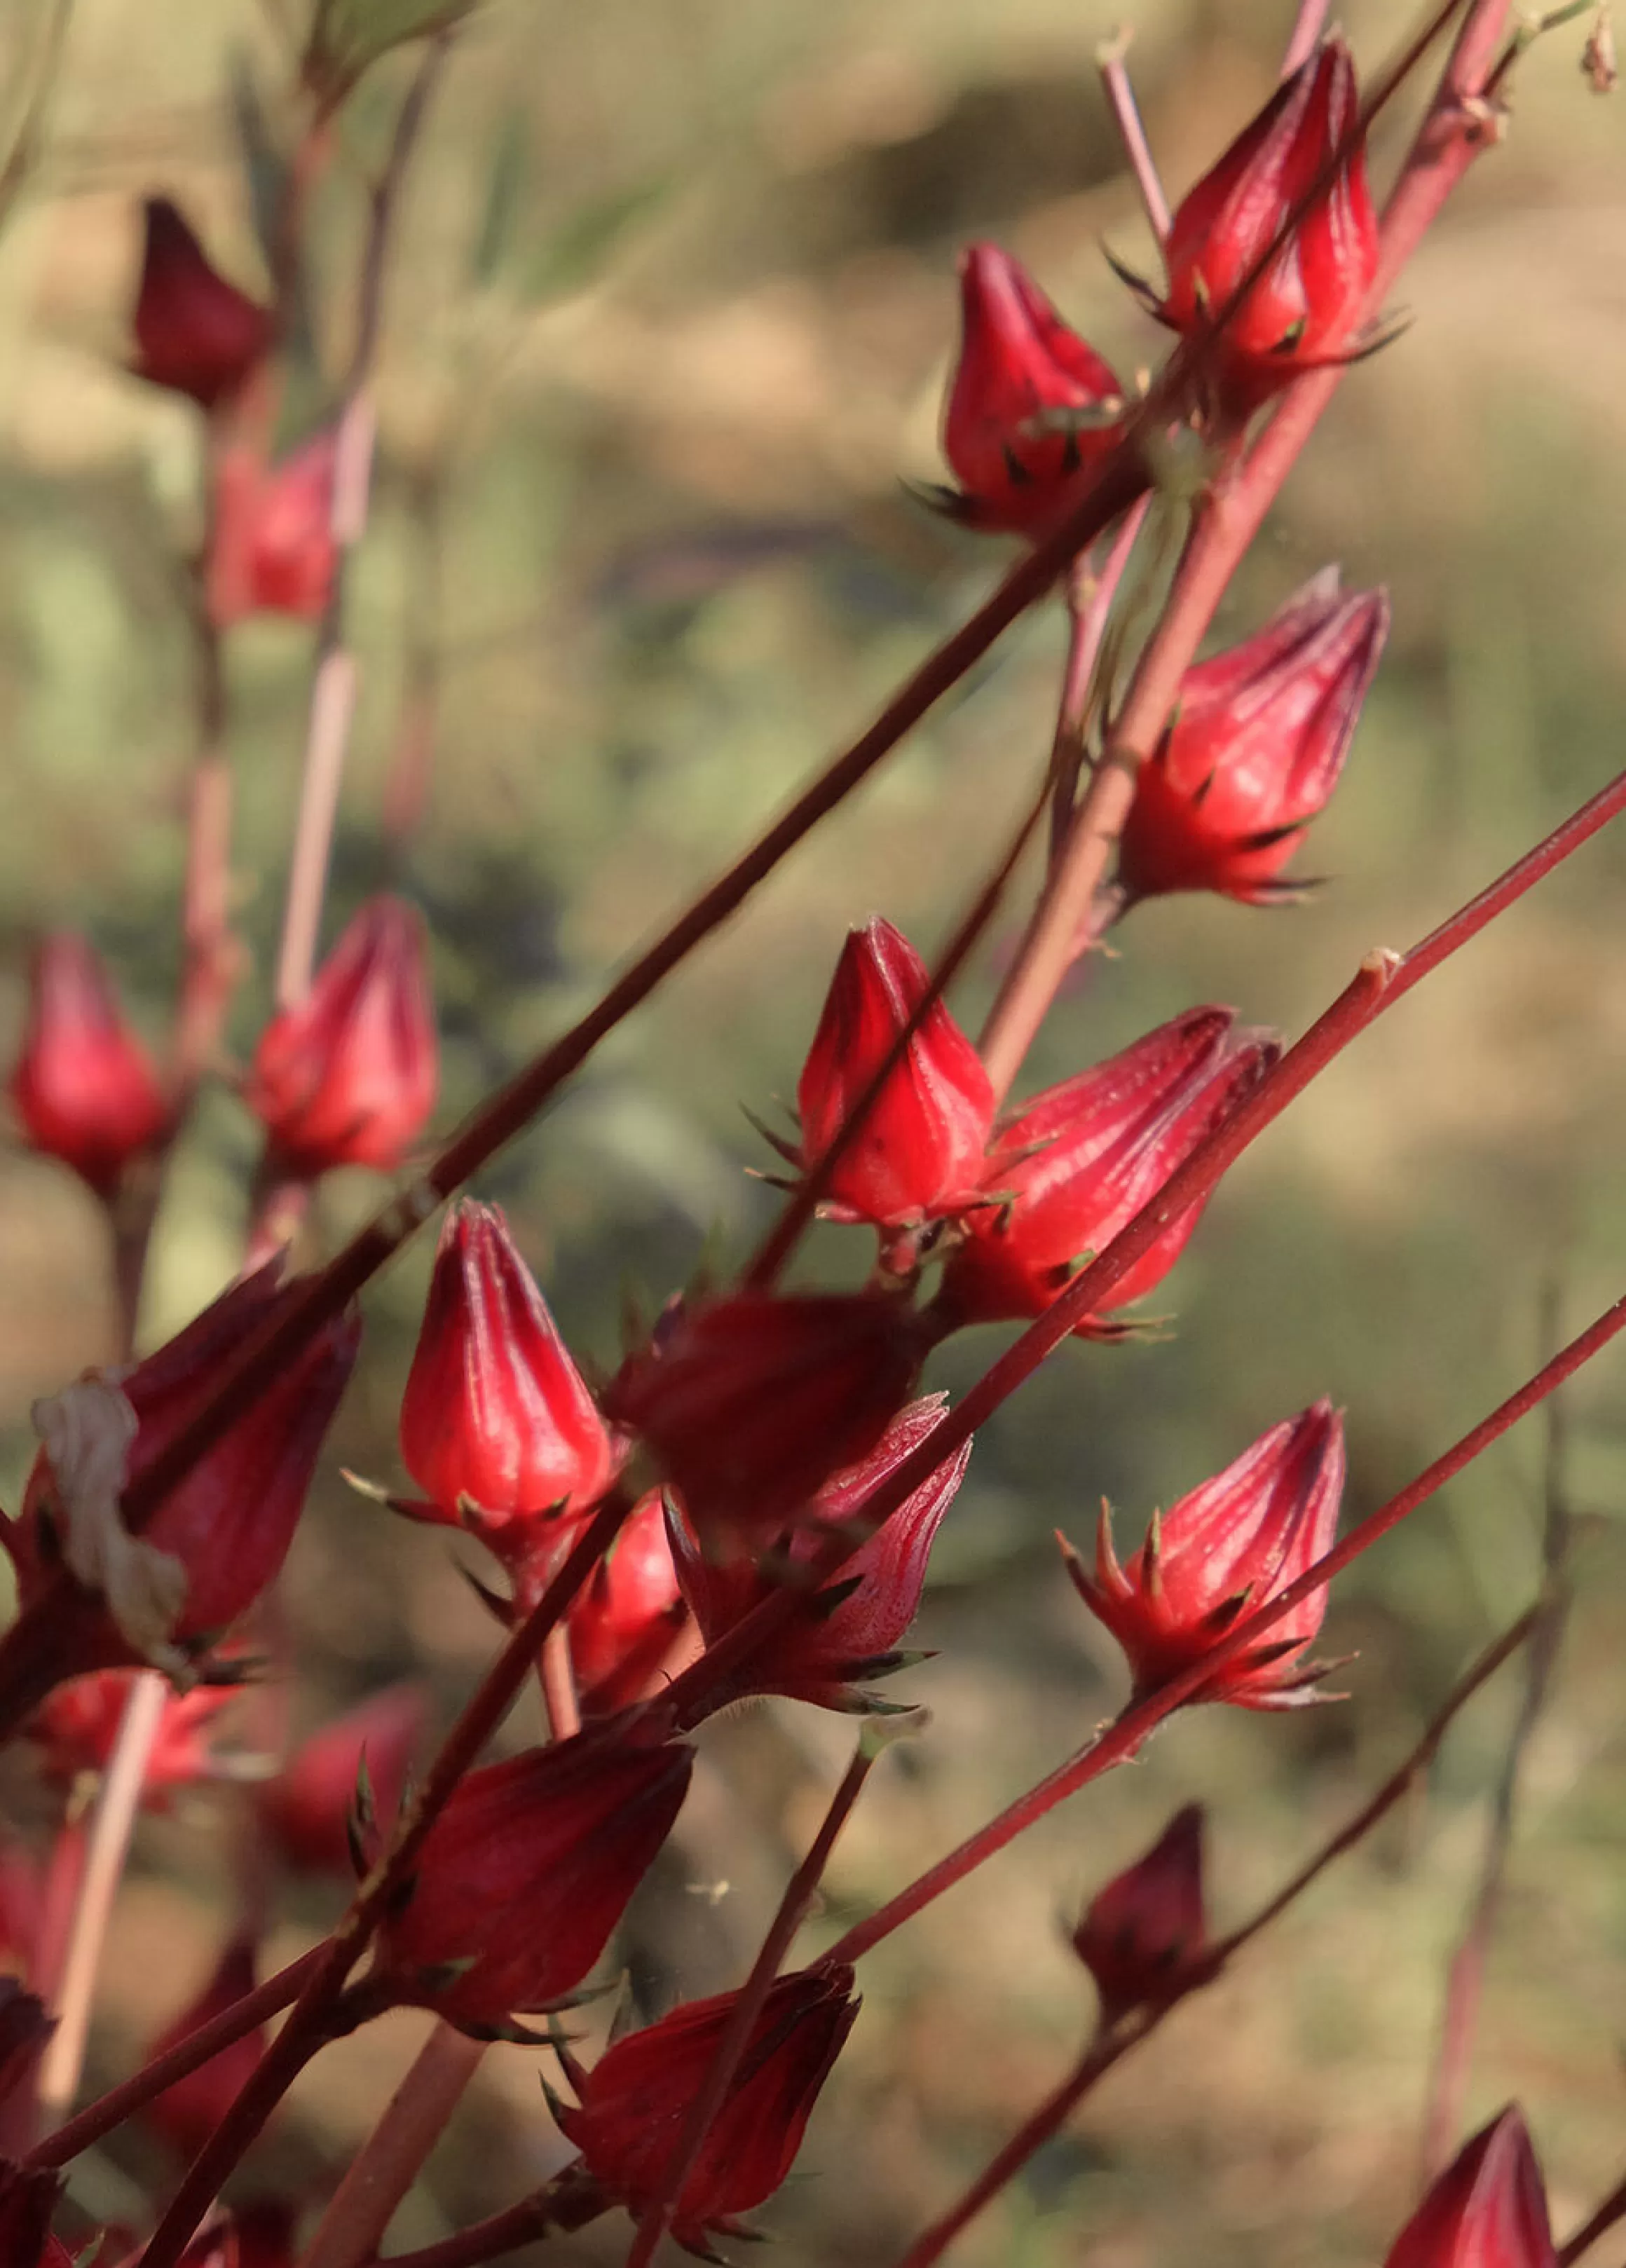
712	2092
302	2035
1125	1736
1465	1981
1449	138
1110	2047
1126	115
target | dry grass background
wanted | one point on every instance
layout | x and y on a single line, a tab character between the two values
674	569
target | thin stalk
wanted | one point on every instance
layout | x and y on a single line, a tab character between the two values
1306	35
363	2204
557	1676
1090	595
1126	116
112	1824
1110	2047
566	2203
657	2217
1609	2213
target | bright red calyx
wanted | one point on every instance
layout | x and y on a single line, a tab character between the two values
631	2105
630	1625
523	1875
1075	1164
196	334
846	1634
76	1728
187	2113
496	1426
1487	2210
226	1524
273	547
1142	1936
84	1088
1303	308
306	1810
1031	408
750	1403
1223	1551
1256	750
349	1076
919	1153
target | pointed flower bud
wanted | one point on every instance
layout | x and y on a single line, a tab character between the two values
1077	1163
187	2112
1487	2210
846	1634
632	2103
630	1625
273	548
749	1402
306	1810
496	1426
1030	409
920	1152
75	1730
1142	1936
1228	1547
84	1088
221	1534
349	1076
196	334
523	1875
1304	305
1256	750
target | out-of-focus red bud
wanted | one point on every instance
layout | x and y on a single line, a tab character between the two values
523	1875
1142	1936
222	1533
1256	750
28	2196
630	1625
496	1426
24	2028
273	549
750	1402
196	334
84	1088
187	2113
349	1076
1075	1164
22	1903
258	2235
920	1152
306	1809
631	2105
76	1728
1227	1549
846	1634
1487	2210
1031	408
1304	305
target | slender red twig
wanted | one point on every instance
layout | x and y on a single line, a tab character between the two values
1607	2216
1126	115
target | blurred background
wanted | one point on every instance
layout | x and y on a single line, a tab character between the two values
671	307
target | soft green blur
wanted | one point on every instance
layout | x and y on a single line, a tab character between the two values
669	314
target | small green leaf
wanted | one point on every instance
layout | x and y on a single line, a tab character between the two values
584	241
505	185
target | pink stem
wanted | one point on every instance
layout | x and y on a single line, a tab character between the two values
1306	35
1126	114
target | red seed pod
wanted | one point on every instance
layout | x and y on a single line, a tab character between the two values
749	1402
844	1635
84	1088
76	1728
630	1626
349	1076
920	1152
1256	750
523	1875
187	2113
1142	1936
496	1426
273	548
196	334
1077	1162
1031	408
306	1811
1304	305
220	1536
1227	1549
1487	2210
632	2103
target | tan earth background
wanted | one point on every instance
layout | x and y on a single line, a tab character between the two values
669	316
